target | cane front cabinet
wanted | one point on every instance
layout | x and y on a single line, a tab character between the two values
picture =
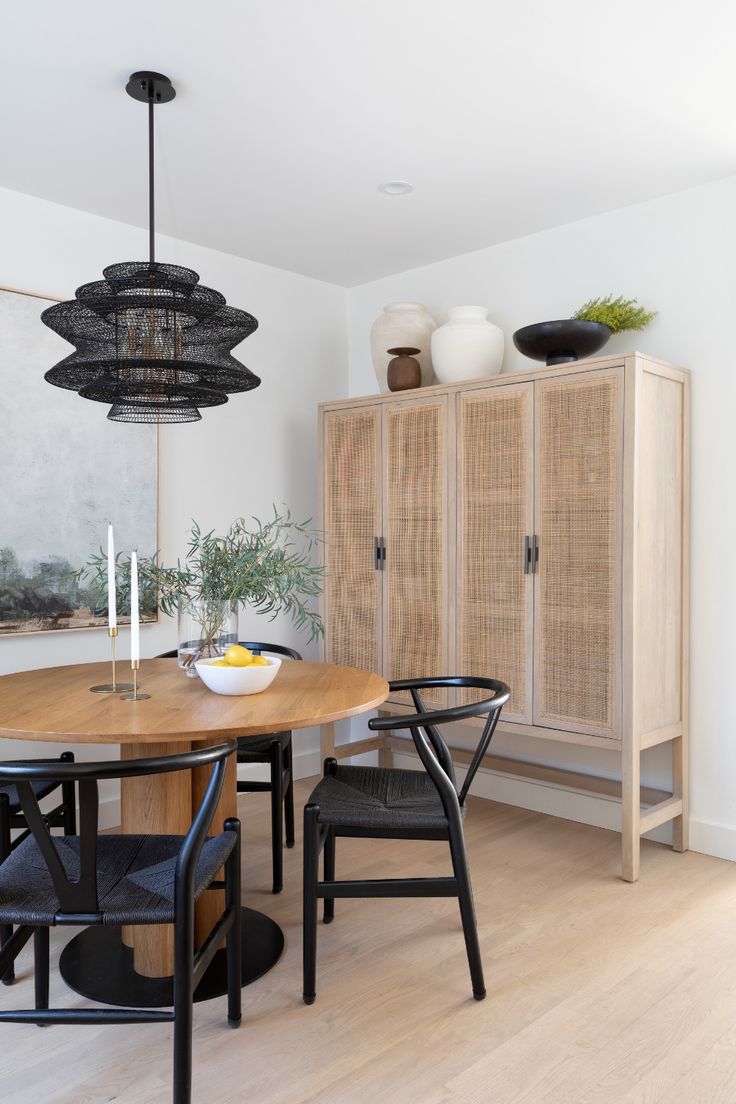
531	527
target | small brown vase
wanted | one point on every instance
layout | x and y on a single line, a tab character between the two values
404	372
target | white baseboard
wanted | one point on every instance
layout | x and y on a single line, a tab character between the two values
706	837
109	815
306	765
525	793
718	840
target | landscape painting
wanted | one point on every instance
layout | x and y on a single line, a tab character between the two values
65	473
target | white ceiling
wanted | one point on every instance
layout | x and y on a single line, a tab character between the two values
507	118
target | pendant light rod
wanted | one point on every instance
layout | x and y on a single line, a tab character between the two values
151	89
151	188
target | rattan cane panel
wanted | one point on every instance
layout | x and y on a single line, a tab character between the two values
352	522
578	568
494	635
416	459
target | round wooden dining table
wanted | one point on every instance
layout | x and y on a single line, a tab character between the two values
134	965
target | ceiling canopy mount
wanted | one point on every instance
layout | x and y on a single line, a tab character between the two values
148	86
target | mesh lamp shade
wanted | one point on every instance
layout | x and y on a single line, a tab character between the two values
153	402
151	341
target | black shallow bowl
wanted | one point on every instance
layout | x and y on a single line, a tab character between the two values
562	341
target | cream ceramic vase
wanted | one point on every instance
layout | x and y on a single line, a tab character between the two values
402	324
467	347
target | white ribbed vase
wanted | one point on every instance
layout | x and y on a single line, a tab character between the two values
467	347
406	325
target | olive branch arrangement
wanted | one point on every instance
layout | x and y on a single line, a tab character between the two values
267	566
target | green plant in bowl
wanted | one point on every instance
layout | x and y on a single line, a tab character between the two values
618	314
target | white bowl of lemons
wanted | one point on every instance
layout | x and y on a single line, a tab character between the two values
238	672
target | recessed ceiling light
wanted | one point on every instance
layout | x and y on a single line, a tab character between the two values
396	187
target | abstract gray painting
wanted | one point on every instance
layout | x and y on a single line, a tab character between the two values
65	472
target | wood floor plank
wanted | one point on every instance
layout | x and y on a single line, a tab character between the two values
599	992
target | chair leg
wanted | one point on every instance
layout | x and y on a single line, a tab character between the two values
69	799
329	907
234	936
289	794
6	930
467	909
41	966
311	867
277	835
183	998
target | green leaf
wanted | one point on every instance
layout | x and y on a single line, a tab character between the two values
267	565
618	314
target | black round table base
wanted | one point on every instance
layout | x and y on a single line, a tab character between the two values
98	965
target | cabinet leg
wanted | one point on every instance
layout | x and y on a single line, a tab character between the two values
680	840
630	814
326	743
385	756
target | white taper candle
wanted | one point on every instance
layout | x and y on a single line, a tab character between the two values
135	643
112	612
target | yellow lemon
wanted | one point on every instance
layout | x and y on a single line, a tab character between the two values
219	663
259	661
237	656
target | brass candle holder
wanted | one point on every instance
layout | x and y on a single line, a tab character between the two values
136	695
113	687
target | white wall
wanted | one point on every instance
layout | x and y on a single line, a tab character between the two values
673	253
676	255
259	449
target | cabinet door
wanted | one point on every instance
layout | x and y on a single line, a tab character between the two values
416	535
495	517
579	436
352	521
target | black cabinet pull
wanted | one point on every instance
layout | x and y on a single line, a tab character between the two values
383	554
377	553
535	553
527	555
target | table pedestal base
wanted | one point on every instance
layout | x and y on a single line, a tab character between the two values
98	965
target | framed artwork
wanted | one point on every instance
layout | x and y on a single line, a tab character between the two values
65	473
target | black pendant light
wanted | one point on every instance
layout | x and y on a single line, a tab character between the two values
148	338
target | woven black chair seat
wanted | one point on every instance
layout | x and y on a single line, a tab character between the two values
255	749
135	878
41	789
377	797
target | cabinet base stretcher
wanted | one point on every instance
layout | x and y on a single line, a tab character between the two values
654	808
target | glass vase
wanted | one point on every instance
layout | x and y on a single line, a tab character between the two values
207	628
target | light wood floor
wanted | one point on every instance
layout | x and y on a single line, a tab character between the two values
599	992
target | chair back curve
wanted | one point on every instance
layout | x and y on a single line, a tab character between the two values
275	649
76	882
254	646
428	740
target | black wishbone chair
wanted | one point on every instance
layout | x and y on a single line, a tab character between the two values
389	803
116	879
274	749
63	815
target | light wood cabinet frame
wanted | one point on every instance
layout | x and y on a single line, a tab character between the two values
652	458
